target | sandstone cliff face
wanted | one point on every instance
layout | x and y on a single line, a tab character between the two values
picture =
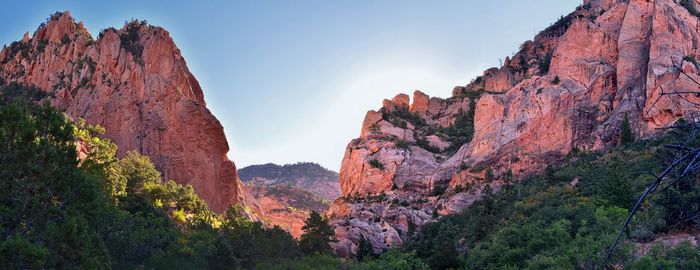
569	88
287	194
133	82
285	205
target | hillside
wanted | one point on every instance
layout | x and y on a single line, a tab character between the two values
133	82
288	193
305	175
569	89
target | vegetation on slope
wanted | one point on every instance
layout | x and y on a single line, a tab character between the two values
101	212
553	221
459	133
296	197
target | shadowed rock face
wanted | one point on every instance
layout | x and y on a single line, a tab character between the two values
133	82
287	194
285	205
568	88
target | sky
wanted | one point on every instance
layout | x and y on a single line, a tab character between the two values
291	80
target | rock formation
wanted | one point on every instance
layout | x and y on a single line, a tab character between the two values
287	194
285	205
569	88
133	82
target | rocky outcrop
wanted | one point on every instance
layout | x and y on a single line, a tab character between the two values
568	88
285	205
287	194
133	82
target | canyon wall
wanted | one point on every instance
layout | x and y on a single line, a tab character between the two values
135	83
570	88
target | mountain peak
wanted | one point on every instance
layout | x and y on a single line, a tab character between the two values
60	27
135	83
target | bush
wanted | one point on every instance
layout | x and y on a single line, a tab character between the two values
556	80
422	142
401	144
438	190
543	64
546	223
65	39
488	177
376	164
130	39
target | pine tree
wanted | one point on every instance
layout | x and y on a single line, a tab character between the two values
317	236
488	177
626	136
444	253
364	249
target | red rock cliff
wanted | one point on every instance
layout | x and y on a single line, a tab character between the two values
133	82
568	88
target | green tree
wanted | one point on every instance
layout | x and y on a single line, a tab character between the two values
317	236
364	249
626	135
50	211
138	170
444	254
393	260
488	177
251	242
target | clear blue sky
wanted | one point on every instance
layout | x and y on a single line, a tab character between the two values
291	80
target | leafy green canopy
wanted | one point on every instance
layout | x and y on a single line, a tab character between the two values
101	212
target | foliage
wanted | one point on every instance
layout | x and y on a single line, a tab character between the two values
364	249
556	80
401	144
376	164
683	256
297	197
462	129
65	39
403	114
392	260
287	173
626	136
251	242
312	262
544	62
101	212
317	236
50	211
438	190
488	176
130	38
545	222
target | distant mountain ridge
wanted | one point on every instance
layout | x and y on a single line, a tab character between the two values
305	175
288	193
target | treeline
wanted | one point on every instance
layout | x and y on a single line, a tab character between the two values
287	173
68	202
87	209
101	212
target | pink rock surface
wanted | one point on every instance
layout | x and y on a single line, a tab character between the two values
609	58
140	91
